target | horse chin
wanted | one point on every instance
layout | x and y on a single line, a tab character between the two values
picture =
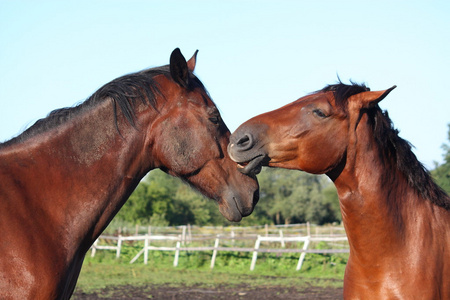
232	214
232	208
253	166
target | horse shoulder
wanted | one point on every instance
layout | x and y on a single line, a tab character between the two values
28	264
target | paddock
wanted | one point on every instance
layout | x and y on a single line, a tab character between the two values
295	238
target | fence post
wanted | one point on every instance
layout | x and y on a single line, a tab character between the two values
302	256
177	253
255	254
189	233
213	259
282	239
308	229
183	234
94	248
146	244
119	246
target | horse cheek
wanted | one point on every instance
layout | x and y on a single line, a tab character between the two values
187	150
183	148
316	158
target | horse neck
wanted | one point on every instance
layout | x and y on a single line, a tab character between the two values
80	173
372	194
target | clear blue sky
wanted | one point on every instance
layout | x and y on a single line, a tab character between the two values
254	55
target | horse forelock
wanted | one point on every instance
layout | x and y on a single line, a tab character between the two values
343	91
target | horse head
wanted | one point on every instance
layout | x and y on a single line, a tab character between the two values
189	139
310	134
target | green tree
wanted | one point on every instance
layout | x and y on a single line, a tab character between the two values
194	208
159	198
441	173
151	202
163	200
286	196
137	209
295	197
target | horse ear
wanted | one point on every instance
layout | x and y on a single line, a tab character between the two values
192	61
370	99
179	68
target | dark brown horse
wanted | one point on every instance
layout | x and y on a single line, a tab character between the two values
397	220
64	179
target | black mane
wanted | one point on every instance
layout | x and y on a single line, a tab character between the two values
124	92
395	151
343	91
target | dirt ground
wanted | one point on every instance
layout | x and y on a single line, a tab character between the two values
219	292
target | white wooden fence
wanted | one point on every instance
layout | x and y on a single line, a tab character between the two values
182	242
306	241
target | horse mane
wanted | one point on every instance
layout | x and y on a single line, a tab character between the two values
343	91
394	151
124	92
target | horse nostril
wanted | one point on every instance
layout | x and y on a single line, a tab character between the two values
245	142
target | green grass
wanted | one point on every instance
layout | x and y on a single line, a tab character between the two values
231	269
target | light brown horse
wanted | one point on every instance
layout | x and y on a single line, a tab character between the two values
64	179
396	218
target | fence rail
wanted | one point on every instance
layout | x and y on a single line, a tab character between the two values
184	241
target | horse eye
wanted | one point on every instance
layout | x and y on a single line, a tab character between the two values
215	120
319	113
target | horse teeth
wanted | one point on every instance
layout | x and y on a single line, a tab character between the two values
242	165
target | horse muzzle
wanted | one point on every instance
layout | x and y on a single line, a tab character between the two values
245	151
233	207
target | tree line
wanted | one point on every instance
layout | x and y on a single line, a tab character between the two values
286	196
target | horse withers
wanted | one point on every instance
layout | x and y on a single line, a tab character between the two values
396	218
63	180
